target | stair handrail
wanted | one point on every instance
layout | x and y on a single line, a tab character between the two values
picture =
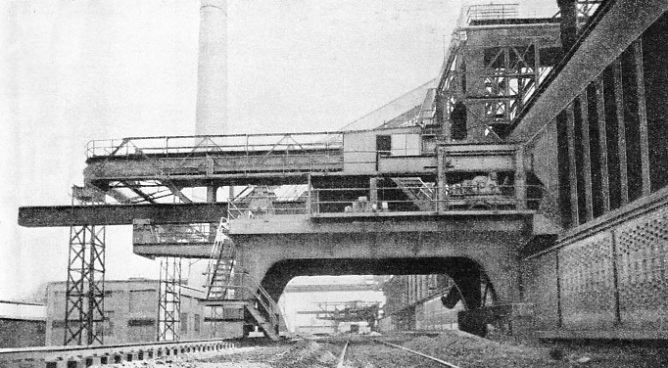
232	207
424	186
417	192
262	296
217	255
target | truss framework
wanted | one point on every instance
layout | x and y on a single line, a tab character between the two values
84	293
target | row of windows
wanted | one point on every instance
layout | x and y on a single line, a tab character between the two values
613	138
109	323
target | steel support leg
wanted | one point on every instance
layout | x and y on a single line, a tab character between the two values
84	293
169	305
84	290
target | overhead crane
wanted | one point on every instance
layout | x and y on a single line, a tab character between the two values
416	177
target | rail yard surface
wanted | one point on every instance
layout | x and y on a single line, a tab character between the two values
456	348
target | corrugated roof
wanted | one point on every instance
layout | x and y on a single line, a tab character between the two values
393	109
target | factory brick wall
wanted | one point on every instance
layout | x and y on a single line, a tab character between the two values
413	302
21	333
132	311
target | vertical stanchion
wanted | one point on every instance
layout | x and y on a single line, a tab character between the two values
441	194
169	307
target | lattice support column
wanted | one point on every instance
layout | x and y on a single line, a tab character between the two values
169	305
84	292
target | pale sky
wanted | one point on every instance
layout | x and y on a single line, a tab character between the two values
73	71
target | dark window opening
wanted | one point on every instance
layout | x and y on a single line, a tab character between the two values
579	162
141	322
564	171
463	77
631	124
495	58
384	144
458	118
594	151
550	56
612	138
655	70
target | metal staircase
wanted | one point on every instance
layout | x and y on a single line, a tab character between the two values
221	265
422	194
227	287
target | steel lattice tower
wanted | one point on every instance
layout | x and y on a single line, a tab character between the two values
169	304
84	293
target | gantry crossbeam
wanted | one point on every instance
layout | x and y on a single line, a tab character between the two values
121	214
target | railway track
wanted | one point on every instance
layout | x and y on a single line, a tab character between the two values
344	362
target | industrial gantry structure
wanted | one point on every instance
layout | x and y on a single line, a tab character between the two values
533	173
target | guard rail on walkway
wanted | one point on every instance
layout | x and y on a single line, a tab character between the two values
233	143
406	199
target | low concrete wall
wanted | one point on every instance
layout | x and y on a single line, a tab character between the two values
607	281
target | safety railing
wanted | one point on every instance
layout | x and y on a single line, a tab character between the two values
242	286
232	143
145	232
486	12
419	198
458	197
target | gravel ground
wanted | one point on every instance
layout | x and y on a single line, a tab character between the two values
464	350
470	351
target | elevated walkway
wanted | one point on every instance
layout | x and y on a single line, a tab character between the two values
279	159
196	159
473	206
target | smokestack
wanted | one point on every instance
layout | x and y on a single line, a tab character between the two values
569	23
211	115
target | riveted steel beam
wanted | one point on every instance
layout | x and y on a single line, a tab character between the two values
121	214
